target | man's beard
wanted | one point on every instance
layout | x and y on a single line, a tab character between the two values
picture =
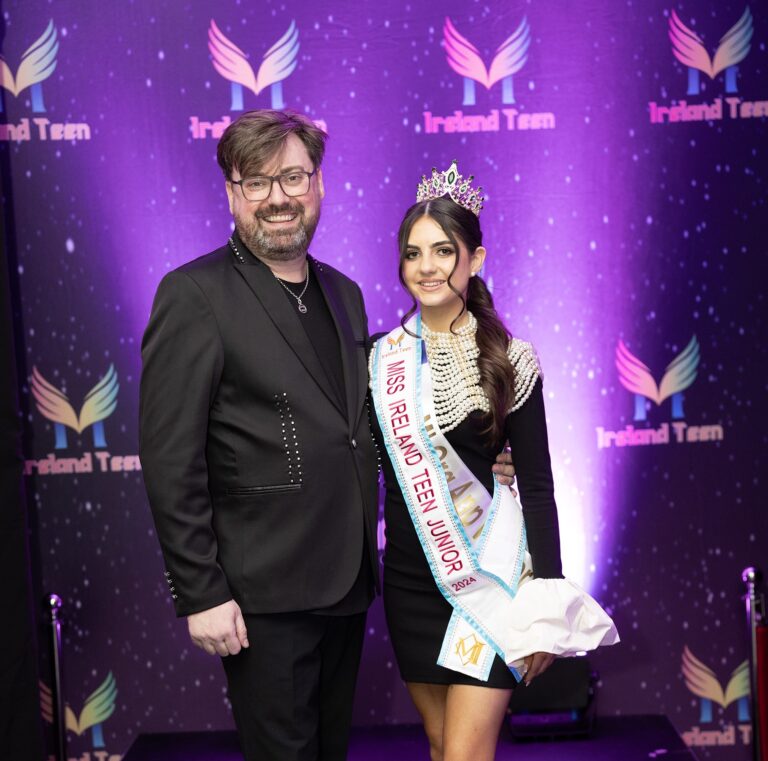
277	245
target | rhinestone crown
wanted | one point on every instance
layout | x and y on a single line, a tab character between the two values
452	183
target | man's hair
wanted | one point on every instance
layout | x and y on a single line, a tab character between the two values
256	136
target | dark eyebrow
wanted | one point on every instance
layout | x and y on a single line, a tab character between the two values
434	245
281	171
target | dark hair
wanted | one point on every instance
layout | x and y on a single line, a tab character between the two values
497	377
255	137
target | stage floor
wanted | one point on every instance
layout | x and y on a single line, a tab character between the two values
627	738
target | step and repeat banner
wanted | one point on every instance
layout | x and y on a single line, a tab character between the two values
622	147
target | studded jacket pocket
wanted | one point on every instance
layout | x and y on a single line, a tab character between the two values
290	439
244	491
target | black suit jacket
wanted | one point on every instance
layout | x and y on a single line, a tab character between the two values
262	485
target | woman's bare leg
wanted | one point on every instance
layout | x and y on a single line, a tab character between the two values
472	721
430	703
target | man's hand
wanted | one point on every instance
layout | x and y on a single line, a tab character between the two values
220	630
536	664
504	469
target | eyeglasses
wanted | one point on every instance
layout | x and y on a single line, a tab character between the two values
293	184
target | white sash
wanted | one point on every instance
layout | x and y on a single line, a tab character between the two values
474	543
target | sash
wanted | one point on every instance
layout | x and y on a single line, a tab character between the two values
474	542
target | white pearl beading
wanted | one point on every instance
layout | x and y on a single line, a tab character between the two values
524	359
456	376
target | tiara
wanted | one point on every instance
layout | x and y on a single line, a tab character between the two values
451	182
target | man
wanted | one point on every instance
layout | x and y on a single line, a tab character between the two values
257	453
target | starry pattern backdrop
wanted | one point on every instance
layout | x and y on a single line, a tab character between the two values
601	227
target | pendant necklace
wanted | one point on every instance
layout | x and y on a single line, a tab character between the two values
301	306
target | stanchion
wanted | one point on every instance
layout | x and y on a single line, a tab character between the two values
54	608
755	603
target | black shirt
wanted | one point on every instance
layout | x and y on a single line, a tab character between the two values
320	329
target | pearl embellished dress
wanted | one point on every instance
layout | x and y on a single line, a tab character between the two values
417	613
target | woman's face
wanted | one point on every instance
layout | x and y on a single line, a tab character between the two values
429	262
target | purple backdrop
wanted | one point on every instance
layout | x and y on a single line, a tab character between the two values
626	212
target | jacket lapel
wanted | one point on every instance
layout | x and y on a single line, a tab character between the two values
347	343
263	284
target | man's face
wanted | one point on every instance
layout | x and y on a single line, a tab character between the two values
280	227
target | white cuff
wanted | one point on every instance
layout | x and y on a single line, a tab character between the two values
556	616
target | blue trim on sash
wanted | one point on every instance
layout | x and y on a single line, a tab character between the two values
493	511
446	492
443	483
521	549
406	495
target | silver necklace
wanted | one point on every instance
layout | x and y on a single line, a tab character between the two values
302	307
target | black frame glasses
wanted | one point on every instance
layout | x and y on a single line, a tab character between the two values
290	192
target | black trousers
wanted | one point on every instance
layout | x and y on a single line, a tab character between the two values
292	689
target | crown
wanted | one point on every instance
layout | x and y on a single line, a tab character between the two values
452	183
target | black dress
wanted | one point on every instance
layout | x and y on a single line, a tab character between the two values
417	613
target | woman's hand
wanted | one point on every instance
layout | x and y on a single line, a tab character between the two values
536	664
505	470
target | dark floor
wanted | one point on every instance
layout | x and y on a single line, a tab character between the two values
625	738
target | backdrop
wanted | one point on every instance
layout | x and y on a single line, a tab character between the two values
622	147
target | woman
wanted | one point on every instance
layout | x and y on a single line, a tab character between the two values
472	608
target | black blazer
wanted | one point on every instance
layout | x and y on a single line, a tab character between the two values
261	485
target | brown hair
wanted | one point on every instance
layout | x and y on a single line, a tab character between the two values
497	377
255	137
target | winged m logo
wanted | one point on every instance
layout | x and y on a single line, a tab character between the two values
100	402
465	59
98	707
278	63
702	682
636	377
688	48
38	62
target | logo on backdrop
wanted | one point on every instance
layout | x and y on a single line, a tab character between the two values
679	374
703	71
701	680
466	60
37	64
99	403
277	64
636	377
232	63
98	707
689	49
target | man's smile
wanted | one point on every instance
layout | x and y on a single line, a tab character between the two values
280	217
